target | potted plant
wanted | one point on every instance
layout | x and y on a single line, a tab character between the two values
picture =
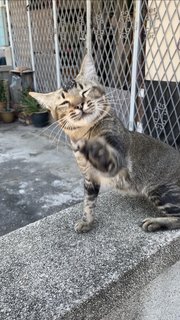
7	114
3	99
31	111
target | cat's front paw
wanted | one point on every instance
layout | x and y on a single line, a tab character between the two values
97	153
82	226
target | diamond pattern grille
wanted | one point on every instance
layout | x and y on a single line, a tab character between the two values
43	44
20	34
158	109
112	33
71	21
113	24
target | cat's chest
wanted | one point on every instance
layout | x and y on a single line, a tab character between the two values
118	182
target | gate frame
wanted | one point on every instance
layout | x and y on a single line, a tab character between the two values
10	33
31	45
134	63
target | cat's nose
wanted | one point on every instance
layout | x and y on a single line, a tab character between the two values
80	106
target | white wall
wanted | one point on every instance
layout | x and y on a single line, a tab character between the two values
162	54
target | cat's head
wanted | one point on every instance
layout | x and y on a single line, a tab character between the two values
81	103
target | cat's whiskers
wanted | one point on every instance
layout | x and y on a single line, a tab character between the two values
104	111
115	105
58	138
110	93
99	107
109	103
56	126
60	134
113	101
55	136
61	126
64	121
67	125
47	128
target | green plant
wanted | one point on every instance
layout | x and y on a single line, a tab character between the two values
3	91
4	95
29	104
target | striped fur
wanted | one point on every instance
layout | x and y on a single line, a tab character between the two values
108	154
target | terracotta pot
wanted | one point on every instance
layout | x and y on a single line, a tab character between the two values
7	116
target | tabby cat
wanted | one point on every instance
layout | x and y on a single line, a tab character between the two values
107	153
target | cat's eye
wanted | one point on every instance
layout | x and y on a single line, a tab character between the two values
83	93
81	86
64	102
63	95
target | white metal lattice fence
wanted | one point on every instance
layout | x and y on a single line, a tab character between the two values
135	45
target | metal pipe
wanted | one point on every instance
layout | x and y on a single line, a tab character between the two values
134	63
31	45
56	45
88	19
10	33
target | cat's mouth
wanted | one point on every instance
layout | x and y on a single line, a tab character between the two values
82	112
87	112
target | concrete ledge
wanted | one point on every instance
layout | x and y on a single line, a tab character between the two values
47	271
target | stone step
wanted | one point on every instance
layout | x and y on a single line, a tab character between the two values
47	271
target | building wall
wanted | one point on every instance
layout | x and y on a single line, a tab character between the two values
3	25
163	30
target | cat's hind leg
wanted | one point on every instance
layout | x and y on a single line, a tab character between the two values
154	224
167	200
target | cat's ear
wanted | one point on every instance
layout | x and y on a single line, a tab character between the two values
87	70
44	99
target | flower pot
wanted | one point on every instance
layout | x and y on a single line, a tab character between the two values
40	119
7	116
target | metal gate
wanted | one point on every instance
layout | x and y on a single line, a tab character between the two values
135	45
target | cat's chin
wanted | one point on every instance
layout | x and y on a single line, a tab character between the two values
84	120
86	115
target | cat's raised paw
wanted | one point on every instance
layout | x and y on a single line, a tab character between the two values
97	153
82	226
